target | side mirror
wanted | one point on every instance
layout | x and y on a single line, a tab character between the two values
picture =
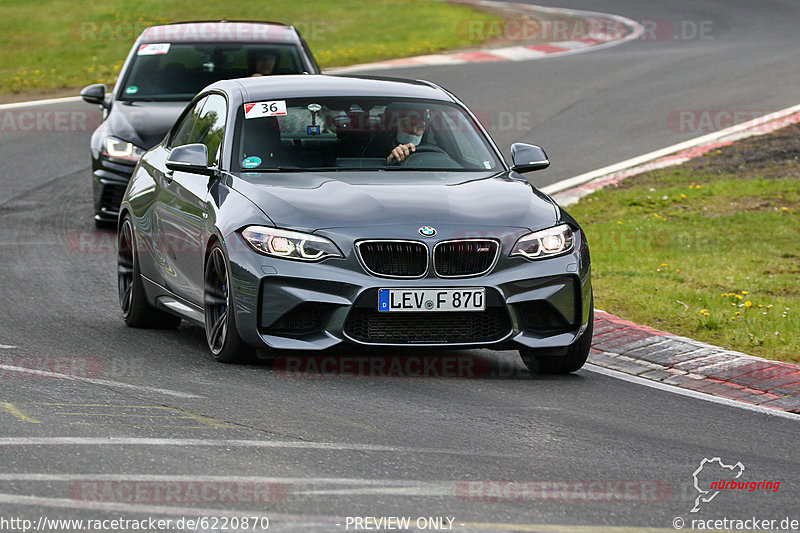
95	94
528	157
190	158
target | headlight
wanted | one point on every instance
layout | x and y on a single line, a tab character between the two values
119	149
290	244
545	243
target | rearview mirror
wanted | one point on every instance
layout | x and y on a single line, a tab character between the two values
190	158
95	94
528	157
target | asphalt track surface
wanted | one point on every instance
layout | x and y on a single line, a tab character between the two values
159	412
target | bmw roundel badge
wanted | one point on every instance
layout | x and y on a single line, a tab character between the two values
427	231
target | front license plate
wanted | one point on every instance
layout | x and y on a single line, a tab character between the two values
468	299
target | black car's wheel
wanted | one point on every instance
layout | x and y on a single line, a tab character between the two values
136	310
223	338
539	361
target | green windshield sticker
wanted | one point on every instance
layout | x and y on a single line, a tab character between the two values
251	162
133	89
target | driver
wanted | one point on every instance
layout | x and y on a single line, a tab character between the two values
262	62
409	135
405	123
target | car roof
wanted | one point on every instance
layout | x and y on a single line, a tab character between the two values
220	31
298	86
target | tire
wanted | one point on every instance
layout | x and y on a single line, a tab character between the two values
220	323
539	362
136	310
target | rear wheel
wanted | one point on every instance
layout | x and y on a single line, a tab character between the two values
539	361
223	338
136	310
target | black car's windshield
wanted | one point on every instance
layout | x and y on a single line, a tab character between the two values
359	133
178	71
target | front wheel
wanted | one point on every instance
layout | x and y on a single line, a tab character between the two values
136	310
538	361
220	320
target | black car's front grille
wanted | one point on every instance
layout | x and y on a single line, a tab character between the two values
464	257
371	326
400	259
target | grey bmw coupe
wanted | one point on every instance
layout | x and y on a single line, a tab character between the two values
306	212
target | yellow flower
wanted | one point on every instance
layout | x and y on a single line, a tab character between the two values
664	264
738	296
698	186
737	313
724	294
619	222
769	306
784	208
760	306
683	196
704	310
691	186
678	270
745	292
748	303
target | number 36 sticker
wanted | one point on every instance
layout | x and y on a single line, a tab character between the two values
265	109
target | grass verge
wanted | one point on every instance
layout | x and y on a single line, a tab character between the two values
68	44
708	250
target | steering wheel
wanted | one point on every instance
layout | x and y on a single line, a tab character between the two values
423	149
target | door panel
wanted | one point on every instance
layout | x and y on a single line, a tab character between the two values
183	213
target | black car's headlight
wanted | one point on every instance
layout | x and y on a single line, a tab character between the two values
119	149
290	244
545	243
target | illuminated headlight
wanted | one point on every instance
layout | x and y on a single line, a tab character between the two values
119	149
545	243
290	244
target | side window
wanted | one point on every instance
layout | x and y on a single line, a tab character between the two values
210	126
183	133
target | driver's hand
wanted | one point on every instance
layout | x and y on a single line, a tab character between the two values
401	152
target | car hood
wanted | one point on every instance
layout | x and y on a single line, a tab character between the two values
312	201
143	123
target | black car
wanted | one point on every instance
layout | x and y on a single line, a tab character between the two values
307	212
166	67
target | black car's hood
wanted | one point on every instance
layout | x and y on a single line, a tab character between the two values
143	123
312	201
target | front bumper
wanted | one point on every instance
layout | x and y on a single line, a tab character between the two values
292	305
109	181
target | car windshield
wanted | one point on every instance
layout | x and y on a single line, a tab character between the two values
178	71
359	133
